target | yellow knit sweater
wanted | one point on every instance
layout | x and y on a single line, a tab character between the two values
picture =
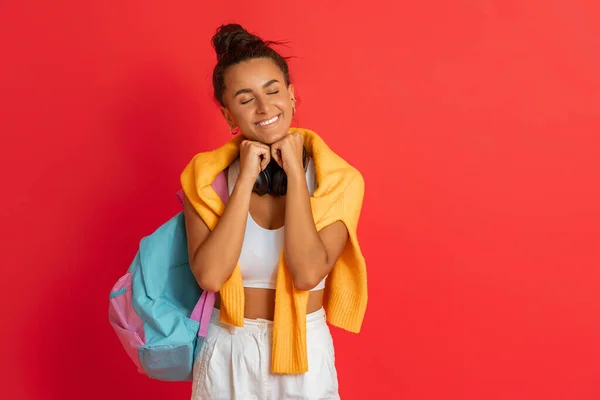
338	197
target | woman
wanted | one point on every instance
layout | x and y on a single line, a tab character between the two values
282	251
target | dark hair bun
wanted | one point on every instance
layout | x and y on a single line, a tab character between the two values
233	38
233	45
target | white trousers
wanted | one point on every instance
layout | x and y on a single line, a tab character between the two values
235	363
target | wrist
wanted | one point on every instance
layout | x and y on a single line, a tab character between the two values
295	172
296	179
245	182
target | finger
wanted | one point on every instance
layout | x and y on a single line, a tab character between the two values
266	157
260	150
263	153
277	154
265	161
261	146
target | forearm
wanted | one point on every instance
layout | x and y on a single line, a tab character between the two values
216	258
305	253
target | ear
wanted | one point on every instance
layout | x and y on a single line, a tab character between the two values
292	95
228	117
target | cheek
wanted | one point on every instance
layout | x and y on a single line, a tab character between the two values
244	116
284	104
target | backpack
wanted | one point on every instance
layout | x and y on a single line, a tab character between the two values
157	309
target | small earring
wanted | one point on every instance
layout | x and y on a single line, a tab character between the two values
293	111
232	131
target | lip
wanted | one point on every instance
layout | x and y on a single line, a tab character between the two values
278	116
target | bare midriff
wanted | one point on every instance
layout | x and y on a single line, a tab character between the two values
260	303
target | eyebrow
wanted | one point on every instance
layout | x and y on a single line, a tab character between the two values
272	81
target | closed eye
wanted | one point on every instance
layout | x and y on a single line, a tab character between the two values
269	93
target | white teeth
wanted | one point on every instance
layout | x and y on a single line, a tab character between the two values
269	121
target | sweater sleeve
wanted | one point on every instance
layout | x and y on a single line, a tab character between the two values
347	207
346	296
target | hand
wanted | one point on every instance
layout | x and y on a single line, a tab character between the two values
288	153
254	157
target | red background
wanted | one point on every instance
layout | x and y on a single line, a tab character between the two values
476	125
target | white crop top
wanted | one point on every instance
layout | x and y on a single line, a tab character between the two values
261	249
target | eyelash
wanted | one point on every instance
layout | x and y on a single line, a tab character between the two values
248	101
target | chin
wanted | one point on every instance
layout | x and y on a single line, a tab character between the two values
271	136
274	137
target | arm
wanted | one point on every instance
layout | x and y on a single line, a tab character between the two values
310	255
214	255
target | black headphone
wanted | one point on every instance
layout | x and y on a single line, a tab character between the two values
273	180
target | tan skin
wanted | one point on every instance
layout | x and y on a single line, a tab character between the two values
256	92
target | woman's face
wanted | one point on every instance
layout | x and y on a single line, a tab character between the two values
257	100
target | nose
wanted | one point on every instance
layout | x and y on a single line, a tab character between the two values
262	105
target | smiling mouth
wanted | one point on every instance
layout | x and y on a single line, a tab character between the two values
269	121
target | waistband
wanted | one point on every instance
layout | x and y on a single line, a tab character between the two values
314	318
